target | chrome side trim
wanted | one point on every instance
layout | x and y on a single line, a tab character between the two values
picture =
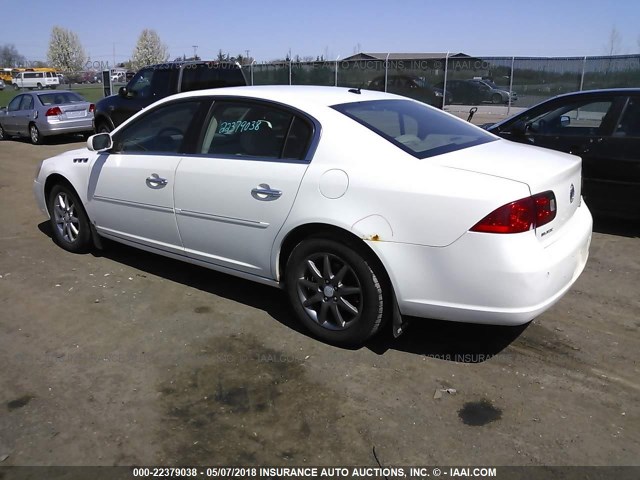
129	203
219	218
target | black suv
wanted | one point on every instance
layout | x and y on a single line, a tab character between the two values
158	81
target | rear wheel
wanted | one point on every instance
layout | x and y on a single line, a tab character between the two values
39	86
34	134
3	134
69	221
334	291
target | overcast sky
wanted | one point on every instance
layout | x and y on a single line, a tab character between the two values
269	29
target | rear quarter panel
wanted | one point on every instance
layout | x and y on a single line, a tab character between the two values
422	203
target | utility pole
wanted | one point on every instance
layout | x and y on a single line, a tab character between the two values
195	49
246	59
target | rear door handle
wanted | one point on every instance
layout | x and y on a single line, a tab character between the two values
156	181
265	193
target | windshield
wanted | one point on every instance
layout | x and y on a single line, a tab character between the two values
417	129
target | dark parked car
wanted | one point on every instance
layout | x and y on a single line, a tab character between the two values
602	127
158	81
412	87
476	91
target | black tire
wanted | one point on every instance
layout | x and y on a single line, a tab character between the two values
16	87
496	98
69	220
342	302
103	127
3	134
34	134
39	85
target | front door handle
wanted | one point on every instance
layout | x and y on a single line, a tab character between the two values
156	181
265	192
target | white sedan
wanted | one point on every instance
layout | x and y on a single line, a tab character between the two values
363	206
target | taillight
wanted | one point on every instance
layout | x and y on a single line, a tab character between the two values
520	216
53	111
92	108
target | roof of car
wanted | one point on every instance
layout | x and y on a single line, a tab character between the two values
297	95
611	91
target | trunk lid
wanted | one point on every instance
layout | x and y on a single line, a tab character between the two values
540	169
74	110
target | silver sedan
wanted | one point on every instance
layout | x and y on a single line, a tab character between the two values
41	114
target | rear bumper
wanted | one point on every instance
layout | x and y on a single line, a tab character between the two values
488	278
66	126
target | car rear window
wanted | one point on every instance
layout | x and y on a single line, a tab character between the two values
417	129
59	98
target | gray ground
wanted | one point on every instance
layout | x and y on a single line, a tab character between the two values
125	358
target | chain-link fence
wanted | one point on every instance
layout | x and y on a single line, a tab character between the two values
462	79
502	83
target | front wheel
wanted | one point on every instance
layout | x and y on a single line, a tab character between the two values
496	98
103	127
69	221
334	291
3	134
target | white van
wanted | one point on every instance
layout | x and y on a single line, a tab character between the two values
37	80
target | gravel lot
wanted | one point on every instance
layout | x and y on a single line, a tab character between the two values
122	357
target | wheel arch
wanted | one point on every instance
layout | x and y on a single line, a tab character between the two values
56	179
309	230
102	118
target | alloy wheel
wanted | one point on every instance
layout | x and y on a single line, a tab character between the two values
329	291
35	134
66	217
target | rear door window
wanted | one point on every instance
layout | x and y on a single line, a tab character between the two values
248	129
27	102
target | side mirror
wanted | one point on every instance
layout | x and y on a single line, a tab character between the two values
99	142
565	120
123	92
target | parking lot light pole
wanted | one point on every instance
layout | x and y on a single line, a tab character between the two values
513	61
336	76
444	83
386	71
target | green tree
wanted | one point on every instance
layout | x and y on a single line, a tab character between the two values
65	51
149	50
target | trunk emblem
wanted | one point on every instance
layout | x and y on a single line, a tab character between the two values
572	193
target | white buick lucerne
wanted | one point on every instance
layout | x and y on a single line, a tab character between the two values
363	206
